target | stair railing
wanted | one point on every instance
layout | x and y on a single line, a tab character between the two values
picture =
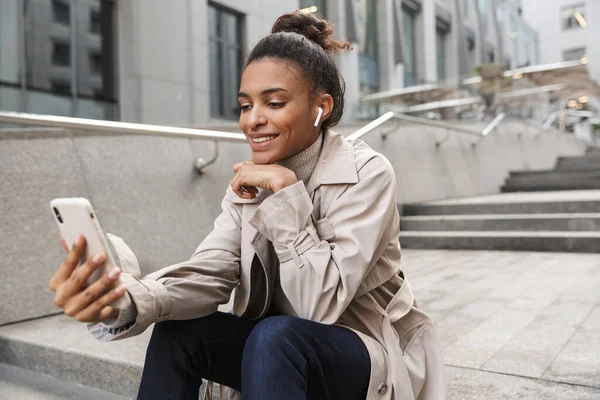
128	128
450	127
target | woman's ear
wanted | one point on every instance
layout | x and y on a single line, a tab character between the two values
326	103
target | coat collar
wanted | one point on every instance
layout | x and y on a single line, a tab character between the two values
336	162
336	165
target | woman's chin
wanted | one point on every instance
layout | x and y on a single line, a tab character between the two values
263	158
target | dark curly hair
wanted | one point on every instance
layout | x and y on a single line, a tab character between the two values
302	40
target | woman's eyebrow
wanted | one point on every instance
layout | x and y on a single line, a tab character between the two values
264	92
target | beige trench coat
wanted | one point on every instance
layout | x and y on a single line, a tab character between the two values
335	241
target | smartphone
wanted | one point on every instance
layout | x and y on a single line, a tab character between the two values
75	216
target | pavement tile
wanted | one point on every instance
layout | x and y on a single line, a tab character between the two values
467	384
531	351
579	360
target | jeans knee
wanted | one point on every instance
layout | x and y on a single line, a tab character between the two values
272	337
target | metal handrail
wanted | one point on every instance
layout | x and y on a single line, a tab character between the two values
128	128
444	125
115	127
370	126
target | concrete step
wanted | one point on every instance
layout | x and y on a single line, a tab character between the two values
593	150
549	185
17	383
579	162
580	242
593	174
561	202
502	222
63	349
577	168
590	155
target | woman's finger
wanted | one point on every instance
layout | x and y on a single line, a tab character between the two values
65	270
243	191
78	279
92	293
236	167
64	243
100	310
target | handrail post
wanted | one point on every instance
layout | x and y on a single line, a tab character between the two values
550	120
491	126
201	163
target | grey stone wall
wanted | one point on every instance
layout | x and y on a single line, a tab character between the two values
145	190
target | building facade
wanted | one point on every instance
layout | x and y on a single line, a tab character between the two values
179	63
568	30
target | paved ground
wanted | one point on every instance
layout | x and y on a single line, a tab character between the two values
512	324
503	315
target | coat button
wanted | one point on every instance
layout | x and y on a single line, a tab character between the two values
382	389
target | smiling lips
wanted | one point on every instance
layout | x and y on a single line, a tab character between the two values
263	139
261	142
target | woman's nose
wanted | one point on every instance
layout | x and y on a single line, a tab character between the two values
256	119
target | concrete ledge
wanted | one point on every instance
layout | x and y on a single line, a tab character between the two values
62	348
502	222
580	242
17	383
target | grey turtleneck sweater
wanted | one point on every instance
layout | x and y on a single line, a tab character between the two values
304	163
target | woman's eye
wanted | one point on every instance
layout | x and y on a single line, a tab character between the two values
276	104
245	107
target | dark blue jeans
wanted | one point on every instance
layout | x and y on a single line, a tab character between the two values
274	358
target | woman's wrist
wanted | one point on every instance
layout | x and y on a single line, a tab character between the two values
286	180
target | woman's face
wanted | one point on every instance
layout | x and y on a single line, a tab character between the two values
277	111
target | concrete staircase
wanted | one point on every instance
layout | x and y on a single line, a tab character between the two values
552	210
542	221
570	173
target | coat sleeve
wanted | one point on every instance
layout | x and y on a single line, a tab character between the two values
321	277
188	290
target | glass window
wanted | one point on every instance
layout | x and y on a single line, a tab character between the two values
441	54
61	12
368	55
61	54
61	87
410	68
58	49
225	61
483	7
95	63
574	54
94	22
10	51
95	49
464	8
573	17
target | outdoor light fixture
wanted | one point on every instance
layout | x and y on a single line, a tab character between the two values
309	10
583	99
584	60
580	19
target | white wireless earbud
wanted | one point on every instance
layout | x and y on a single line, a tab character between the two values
319	116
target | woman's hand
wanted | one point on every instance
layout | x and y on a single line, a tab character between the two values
249	176
85	304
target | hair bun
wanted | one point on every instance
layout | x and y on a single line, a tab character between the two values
308	25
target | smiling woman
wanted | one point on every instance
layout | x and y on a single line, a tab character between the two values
308	243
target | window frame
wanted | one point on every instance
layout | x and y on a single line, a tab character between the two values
222	112
569	22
